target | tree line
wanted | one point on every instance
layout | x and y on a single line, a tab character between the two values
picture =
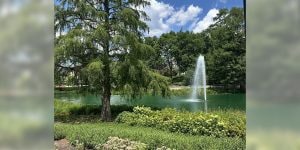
223	44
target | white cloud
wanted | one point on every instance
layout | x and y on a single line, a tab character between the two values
183	16
164	16
158	12
206	21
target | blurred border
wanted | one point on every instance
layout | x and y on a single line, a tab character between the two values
26	74
273	73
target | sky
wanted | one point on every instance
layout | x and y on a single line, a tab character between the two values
185	15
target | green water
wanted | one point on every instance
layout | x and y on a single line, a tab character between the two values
221	101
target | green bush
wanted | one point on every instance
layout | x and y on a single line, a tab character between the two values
66	110
187	91
208	124
96	109
92	135
181	92
188	76
178	80
62	108
71	112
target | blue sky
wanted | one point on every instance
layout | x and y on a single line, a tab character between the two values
188	15
191	15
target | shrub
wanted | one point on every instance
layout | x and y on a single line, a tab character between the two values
63	108
118	143
66	110
72	112
96	109
208	124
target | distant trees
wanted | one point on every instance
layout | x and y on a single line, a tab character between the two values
223	44
226	57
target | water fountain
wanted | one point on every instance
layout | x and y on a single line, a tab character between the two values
199	79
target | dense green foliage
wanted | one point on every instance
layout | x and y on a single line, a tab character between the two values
223	44
187	91
209	124
103	49
93	134
67	111
84	130
81	55
71	112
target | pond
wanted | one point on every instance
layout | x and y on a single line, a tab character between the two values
220	101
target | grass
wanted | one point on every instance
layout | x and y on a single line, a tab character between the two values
92	134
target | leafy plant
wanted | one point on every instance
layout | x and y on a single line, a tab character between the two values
208	124
65	110
72	112
118	143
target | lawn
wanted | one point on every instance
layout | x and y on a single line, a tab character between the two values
93	134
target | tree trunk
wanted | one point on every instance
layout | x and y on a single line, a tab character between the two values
171	72
106	112
242	87
170	64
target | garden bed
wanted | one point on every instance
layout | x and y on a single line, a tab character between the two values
92	135
217	124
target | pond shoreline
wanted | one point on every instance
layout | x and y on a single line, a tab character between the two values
217	101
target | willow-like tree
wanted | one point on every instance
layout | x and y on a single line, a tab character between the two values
100	44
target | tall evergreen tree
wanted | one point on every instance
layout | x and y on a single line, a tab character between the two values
103	47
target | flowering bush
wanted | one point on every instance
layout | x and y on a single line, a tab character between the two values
118	143
208	124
